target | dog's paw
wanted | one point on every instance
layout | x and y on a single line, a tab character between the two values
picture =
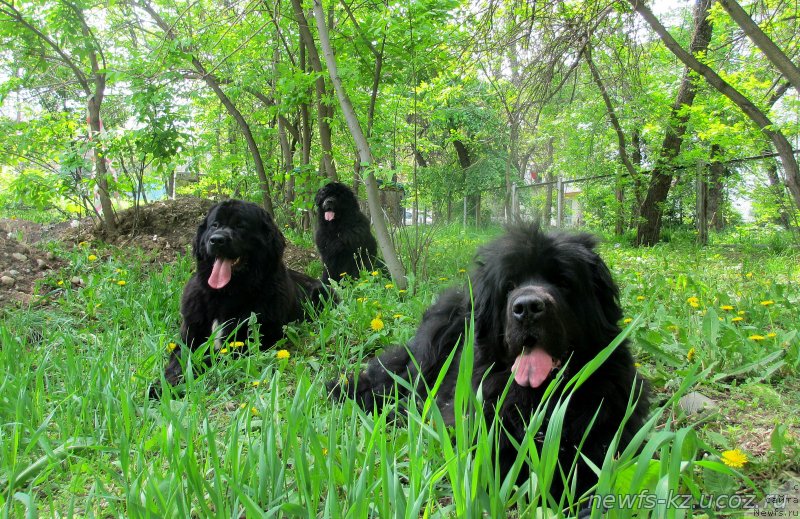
155	391
340	388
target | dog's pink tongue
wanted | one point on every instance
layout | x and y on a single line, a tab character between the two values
530	369
221	273
328	216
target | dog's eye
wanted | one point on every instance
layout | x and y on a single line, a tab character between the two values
510	285
214	225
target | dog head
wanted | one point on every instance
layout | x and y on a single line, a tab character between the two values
541	298
236	235
335	200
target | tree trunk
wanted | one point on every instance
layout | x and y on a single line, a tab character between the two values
717	172
214	84
101	169
622	146
323	111
782	146
649	228
258	163
465	161
364	152
774	54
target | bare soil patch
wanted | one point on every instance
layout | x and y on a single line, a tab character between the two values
21	265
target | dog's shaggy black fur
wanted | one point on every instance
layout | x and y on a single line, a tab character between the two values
343	236
240	270
542	302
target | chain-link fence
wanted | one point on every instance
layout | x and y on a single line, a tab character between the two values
703	195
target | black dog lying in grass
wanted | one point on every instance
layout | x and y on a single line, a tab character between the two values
542	303
343	235
240	270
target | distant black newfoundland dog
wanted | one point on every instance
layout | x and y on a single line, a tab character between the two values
542	302
343	236
240	270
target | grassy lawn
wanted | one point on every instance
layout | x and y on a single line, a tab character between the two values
254	435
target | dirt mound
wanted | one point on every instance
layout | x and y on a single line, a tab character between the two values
167	228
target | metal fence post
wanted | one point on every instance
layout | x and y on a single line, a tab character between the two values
559	203
512	215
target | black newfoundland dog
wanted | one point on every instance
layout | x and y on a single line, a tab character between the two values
343	236
542	302
240	270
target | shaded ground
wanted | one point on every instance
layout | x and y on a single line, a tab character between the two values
165	228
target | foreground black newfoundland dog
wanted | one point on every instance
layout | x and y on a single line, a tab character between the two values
240	270
542	302
343	236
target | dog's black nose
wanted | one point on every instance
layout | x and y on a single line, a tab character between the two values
528	307
217	239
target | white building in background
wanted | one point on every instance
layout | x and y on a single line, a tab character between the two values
573	210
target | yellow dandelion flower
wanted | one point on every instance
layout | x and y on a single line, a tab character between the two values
693	299
362	299
637	364
397	316
254	411
748	275
461	271
377	324
389	285
282	354
60	283
443	279
690	354
772	335
734	458
83	244
122	282
640	298
171	346
402	291
756	337
737	319
373	273
242	405
324	451
223	351
118	271
627	320
767	302
236	344
255	383
92	257
726	308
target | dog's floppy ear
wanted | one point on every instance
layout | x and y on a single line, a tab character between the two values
487	301
197	246
606	291
276	241
318	196
604	288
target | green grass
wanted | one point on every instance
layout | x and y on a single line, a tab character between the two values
254	435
